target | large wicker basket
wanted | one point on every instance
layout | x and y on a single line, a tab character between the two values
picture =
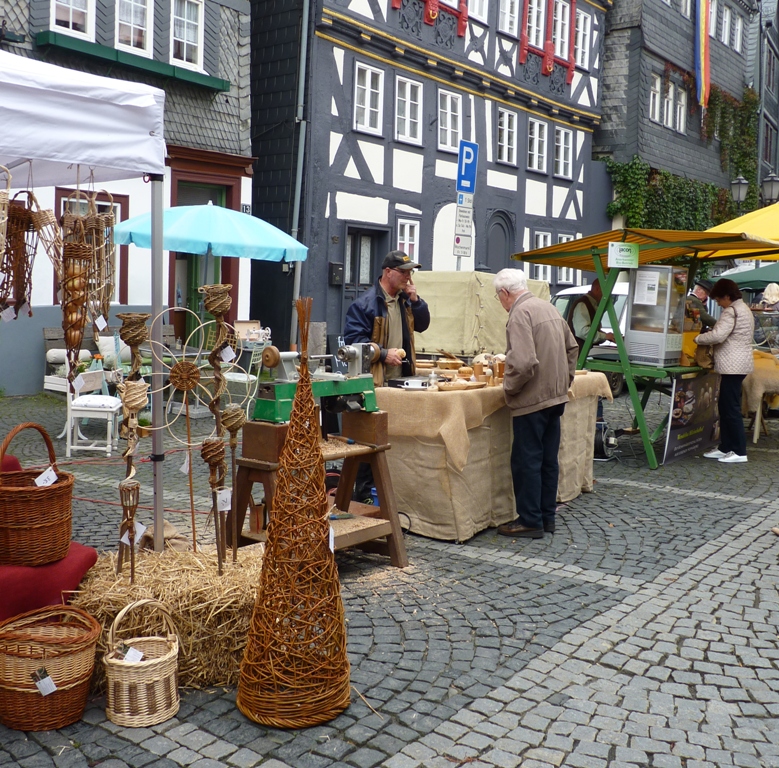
35	522
146	692
61	639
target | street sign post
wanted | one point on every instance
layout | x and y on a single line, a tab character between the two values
467	159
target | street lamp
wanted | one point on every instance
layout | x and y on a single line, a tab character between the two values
770	189
738	190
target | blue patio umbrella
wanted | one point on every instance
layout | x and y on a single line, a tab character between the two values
213	230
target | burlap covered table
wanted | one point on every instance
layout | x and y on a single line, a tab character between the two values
450	457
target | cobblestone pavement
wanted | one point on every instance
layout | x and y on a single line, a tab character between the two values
643	633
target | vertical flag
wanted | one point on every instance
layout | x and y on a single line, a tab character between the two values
702	70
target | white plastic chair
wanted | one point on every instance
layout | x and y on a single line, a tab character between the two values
247	382
88	405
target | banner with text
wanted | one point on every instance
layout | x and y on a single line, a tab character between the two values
693	423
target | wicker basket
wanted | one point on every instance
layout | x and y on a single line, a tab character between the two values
61	639
35	521
146	692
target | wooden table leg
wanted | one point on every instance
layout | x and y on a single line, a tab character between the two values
389	508
343	494
243	490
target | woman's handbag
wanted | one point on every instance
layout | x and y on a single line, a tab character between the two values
704	356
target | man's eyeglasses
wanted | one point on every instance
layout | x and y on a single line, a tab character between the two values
497	294
403	271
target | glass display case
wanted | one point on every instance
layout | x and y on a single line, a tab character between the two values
656	314
767	330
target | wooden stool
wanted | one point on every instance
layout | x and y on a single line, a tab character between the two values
262	443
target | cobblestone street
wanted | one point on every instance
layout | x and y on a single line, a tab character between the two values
642	634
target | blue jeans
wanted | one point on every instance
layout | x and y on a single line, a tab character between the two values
534	467
731	424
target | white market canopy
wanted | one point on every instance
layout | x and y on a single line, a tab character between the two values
70	123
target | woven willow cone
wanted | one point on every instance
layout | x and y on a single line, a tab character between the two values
295	672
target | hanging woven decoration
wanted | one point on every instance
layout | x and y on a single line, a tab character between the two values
77	257
99	228
5	198
21	245
295	671
50	237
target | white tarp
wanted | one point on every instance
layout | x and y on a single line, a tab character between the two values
71	124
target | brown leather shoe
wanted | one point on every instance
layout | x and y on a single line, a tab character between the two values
516	530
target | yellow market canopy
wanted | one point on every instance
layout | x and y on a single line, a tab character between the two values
659	245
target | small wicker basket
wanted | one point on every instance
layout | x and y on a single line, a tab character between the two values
35	522
146	692
61	639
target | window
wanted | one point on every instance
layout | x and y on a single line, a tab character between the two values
542	271
724	35
566	274
769	143
408	108
654	98
668	107
563	139
368	98
408	237
187	33
738	33
770	72
681	110
508	19
536	145
581	47
686	8
561	28
507	137
448	120
478	9
535	22
713	18
76	17
133	26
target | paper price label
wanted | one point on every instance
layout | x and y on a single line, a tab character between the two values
78	383
43	682
101	323
140	529
49	477
184	468
228	354
224	500
331	541
133	654
7	314
24	309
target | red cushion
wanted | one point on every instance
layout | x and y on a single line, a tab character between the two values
25	589
10	464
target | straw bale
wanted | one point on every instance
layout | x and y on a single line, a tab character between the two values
211	612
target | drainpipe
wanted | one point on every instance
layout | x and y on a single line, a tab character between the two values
302	126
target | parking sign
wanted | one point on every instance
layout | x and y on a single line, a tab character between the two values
467	158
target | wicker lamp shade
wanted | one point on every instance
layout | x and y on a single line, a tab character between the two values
295	671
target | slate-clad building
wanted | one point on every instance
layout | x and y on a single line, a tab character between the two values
389	88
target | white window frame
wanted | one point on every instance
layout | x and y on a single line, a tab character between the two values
542	271
198	65
686	8
367	118
681	110
724	35
655	95
89	34
581	46
148	49
408	237
479	10
537	135
668	106
411	98
561	28
507	136
713	19
566	275
508	17
536	11
449	107
738	33
563	153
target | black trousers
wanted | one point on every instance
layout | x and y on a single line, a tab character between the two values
534	467
731	424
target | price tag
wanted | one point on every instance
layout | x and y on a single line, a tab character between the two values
140	529
43	682
78	383
331	541
59	296
130	654
24	309
7	314
224	500
101	323
184	468
49	477
228	354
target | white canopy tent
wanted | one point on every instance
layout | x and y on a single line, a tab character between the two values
60	126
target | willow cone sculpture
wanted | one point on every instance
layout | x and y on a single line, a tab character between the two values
295	672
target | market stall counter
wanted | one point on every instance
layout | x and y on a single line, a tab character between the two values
450	461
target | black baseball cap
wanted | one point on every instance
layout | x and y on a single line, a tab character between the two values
398	260
707	285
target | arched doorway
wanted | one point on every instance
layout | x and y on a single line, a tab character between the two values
500	241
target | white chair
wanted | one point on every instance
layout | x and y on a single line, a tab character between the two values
89	405
247	383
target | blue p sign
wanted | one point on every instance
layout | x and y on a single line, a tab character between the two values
467	160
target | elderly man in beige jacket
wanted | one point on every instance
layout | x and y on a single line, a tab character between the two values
541	357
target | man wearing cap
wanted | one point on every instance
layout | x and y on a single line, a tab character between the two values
388	314
698	299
